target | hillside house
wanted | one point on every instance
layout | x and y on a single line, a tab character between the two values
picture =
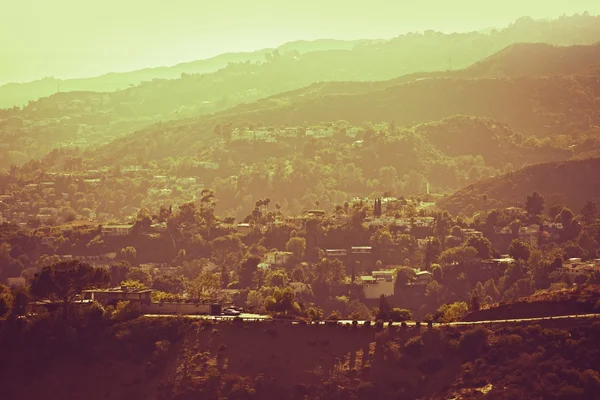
530	234
278	258
377	284
336	253
362	250
112	296
116	230
423	278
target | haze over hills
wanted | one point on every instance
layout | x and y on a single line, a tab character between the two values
90	119
19	94
334	60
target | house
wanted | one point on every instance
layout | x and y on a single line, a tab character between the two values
377	284
530	234
469	233
422	243
333	253
112	296
279	258
299	287
244	228
15	281
496	263
516	212
362	250
116	230
423	278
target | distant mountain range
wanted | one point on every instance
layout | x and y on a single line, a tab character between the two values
19	94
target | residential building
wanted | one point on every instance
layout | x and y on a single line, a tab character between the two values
423	278
469	233
362	250
244	228
377	284
530	234
299	287
15	281
422	243
279	258
333	253
516	212
116	230
112	296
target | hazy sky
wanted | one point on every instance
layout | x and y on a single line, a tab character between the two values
74	38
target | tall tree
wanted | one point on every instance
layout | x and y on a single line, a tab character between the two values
589	212
67	279
534	204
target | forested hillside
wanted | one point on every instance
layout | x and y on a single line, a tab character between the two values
570	183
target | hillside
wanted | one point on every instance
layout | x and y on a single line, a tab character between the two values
531	106
180	359
87	119
570	183
19	94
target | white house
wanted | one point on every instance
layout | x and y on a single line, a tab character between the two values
423	278
279	258
116	230
377	284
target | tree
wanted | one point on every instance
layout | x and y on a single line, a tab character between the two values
282	301
519	250
140	275
67	279
482	245
400	315
534	204
247	271
118	272
276	278
588	213
435	293
330	271
207	283
452	312
383	311
6	301
169	283
404	276
296	245
129	254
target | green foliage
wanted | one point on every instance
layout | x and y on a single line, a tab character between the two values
519	250
67	279
400	315
296	245
452	312
6	301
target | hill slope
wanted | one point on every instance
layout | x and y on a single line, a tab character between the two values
19	94
570	183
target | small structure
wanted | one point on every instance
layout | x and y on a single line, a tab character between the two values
278	258
377	284
333	253
423	278
117	230
362	250
112	296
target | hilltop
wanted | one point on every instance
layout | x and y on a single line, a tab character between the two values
570	183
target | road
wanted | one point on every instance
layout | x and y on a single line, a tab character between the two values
263	318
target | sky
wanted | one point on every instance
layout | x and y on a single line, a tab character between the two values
79	38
